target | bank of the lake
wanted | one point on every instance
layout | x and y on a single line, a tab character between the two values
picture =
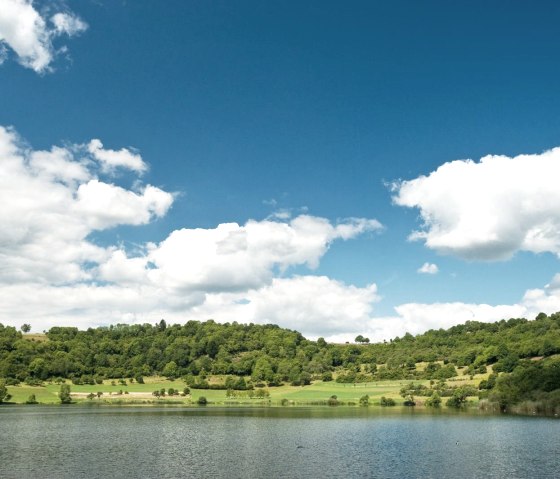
71	442
316	393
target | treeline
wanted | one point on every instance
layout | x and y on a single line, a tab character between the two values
269	354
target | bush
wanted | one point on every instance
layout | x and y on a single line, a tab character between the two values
202	401
333	400
387	401
31	399
434	400
64	394
364	400
33	381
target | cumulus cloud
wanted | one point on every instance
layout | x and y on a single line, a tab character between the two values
314	305
488	210
30	35
111	159
51	203
53	273
234	257
428	268
417	318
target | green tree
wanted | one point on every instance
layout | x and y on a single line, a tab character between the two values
31	399
364	400
170	369
64	394
4	396
387	401
459	397
434	400
25	328
333	400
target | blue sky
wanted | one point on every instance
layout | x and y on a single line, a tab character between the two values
271	112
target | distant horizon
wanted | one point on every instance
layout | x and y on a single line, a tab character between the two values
374	169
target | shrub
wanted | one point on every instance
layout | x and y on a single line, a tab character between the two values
333	400
387	401
434	400
64	394
202	401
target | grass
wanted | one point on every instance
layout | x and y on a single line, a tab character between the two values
314	393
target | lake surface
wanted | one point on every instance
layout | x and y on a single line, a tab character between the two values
145	442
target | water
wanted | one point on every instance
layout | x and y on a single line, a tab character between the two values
79	442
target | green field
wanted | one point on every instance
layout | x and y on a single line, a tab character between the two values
316	393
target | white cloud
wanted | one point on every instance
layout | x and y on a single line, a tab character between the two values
488	210
417	318
53	273
68	24
31	36
314	305
231	257
51	202
428	268
111	159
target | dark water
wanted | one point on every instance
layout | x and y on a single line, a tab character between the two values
78	442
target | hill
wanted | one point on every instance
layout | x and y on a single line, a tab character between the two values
520	351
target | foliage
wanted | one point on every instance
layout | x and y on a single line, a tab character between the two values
459	398
333	400
4	396
434	400
202	401
387	401
529	381
247	354
364	400
64	394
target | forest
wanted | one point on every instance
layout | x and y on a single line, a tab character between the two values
521	356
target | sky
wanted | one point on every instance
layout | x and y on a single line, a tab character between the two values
337	168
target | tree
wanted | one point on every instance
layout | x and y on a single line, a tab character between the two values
387	401
31	399
64	394
25	328
4	396
202	401
364	400
459	397
333	400
434	400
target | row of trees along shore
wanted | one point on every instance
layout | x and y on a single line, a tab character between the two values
522	353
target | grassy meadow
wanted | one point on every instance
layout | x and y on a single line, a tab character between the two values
316	393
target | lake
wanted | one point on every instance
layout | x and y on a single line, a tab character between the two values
148	442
